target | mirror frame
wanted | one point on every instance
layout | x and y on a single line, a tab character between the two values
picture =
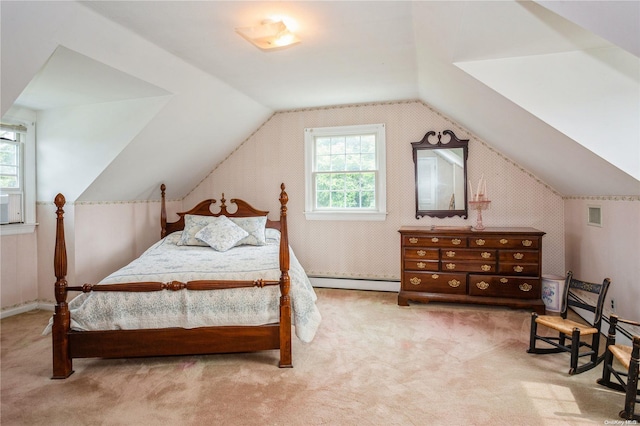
425	144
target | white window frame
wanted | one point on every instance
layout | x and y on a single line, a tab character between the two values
28	185
379	212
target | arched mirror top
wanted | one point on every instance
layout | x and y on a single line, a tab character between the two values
440	161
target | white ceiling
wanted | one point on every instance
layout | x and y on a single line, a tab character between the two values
484	64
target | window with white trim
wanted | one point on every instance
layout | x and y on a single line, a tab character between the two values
17	173
345	173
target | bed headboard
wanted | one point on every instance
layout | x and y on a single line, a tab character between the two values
203	208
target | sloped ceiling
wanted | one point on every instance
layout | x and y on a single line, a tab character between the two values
555	88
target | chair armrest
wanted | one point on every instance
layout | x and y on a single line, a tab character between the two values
630	322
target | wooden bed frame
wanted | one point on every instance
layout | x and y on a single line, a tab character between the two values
69	344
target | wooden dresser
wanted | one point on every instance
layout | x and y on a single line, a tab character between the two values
495	266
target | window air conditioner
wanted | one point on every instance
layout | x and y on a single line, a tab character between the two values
4	208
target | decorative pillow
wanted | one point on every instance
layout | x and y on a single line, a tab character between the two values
272	235
221	234
193	224
255	226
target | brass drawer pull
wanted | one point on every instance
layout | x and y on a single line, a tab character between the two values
527	243
421	253
451	266
413	240
525	287
504	280
485	255
482	285
435	240
421	265
435	276
485	268
415	280
504	241
451	254
454	283
480	242
518	256
518	268
456	241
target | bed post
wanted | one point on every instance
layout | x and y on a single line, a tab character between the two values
285	300
62	363
163	213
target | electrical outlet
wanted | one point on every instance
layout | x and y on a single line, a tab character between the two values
613	305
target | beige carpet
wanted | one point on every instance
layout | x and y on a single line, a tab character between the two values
371	363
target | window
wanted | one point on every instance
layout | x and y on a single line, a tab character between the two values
345	173
17	177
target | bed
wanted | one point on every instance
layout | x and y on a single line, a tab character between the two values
222	282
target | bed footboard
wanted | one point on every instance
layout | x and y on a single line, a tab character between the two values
69	344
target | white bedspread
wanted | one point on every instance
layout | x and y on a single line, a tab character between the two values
165	261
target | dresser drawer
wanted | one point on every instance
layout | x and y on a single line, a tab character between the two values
421	265
509	242
526	269
433	241
422	253
467	266
434	282
467	254
497	286
519	256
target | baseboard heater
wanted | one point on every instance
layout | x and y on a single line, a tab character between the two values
355	284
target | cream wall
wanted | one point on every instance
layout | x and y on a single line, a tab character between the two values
275	154
100	238
18	275
612	250
112	234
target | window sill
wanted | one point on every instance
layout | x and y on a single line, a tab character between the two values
17	228
360	216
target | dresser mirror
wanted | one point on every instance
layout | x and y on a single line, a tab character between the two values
441	175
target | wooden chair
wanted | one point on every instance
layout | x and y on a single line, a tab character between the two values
627	356
573	330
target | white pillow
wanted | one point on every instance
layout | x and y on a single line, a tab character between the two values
255	227
221	234
193	224
272	235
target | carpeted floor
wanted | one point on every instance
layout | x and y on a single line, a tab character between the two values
371	363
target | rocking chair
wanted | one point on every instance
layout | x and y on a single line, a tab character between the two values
627	379
570	329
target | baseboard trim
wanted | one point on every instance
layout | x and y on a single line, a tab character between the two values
351	284
18	310
47	306
25	308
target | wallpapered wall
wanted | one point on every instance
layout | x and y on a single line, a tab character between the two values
371	250
611	250
100	238
273	154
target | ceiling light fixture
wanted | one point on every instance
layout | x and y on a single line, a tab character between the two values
269	35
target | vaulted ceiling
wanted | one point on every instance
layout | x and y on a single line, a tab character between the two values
132	93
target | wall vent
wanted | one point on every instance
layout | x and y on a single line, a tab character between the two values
594	215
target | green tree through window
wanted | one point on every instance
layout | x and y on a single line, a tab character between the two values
345	169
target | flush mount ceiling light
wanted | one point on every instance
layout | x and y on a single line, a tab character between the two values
269	35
